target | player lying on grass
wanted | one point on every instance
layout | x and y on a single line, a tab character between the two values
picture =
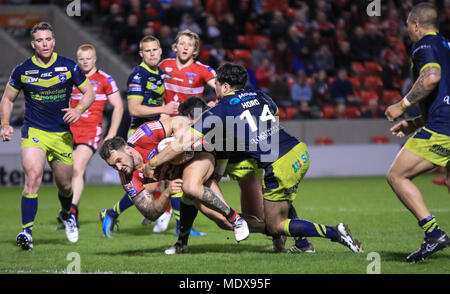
285	162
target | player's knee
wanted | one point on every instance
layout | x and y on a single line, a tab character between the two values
191	188
274	229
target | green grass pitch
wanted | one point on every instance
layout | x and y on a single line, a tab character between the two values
375	216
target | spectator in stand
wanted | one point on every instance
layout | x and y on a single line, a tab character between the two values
218	55
279	90
283	58
343	56
294	41
188	23
131	35
212	33
373	110
113	24
355	18
229	31
342	90
395	47
173	14
392	73
278	26
324	59
325	28
166	40
321	90
375	40
263	74
359	45
217	8
301	95
261	52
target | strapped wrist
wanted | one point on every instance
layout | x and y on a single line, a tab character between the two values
5	122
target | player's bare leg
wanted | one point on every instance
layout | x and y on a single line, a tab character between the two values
405	167
81	156
193	185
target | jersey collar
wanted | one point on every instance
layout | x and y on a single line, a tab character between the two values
148	68
54	57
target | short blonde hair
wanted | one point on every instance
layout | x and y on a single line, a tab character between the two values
87	47
191	35
148	38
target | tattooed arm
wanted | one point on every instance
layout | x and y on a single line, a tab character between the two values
428	80
153	208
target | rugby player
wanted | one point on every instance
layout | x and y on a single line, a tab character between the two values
246	122
146	140
430	145
88	131
46	80
145	103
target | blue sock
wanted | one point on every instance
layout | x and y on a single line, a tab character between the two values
304	228
124	203
29	206
175	202
301	242
430	227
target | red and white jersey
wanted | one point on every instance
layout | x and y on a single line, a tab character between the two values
145	140
189	81
103	85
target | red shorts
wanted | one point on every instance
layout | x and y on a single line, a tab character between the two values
89	136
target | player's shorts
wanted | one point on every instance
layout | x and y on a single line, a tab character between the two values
88	135
247	168
282	177
431	146
57	145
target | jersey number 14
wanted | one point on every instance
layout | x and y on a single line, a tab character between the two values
265	116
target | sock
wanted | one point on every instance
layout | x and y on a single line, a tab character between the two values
66	204
175	202
430	227
231	217
29	205
74	210
300	242
292	212
124	203
304	228
188	213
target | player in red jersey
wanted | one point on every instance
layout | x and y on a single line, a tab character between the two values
87	131
187	77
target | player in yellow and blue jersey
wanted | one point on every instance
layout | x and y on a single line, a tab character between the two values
430	145
246	121
46	80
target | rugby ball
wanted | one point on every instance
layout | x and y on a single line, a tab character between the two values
180	159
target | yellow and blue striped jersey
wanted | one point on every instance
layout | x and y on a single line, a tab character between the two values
147	85
434	50
47	90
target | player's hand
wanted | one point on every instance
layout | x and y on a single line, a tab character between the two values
394	111
212	103
403	128
171	108
149	169
72	115
7	133
175	186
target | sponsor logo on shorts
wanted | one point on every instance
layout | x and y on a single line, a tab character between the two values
66	155
440	150
35	140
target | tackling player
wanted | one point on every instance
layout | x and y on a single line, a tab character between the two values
256	132
46	80
430	145
87	131
186	77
